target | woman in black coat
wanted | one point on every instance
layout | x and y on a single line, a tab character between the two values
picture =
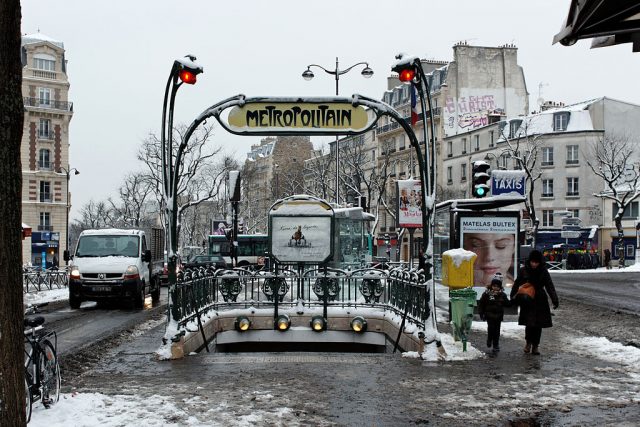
535	314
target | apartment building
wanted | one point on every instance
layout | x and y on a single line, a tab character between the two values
479	86
45	149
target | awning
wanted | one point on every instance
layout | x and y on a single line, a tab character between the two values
609	22
26	231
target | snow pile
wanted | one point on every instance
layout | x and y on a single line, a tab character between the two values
49	295
458	256
603	349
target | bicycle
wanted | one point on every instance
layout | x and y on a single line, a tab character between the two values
42	378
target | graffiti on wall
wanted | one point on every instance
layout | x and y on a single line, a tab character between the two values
468	112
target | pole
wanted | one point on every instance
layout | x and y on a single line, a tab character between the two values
337	74
67	223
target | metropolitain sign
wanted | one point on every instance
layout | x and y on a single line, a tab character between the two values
300	117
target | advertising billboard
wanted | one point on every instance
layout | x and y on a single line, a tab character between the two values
493	237
409	203
301	239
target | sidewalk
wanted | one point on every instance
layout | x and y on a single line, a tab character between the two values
578	380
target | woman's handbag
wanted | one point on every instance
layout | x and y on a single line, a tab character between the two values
526	292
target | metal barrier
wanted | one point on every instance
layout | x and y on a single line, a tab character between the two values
35	279
400	290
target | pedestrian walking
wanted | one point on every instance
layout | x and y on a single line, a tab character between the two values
491	308
607	258
535	286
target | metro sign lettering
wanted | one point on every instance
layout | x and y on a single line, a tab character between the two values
507	183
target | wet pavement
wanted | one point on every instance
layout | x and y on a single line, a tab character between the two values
569	384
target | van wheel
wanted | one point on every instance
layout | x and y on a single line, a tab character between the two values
155	293
74	301
138	300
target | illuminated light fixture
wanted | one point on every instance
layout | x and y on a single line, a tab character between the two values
318	323
283	322
406	74
358	324
242	323
187	76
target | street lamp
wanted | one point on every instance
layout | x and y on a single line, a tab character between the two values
67	172
366	72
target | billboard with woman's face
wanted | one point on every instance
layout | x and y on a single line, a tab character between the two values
493	237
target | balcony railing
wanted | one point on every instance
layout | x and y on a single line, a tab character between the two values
44	227
45	197
45	166
46	135
48	103
43	74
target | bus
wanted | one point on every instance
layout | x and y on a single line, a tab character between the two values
251	248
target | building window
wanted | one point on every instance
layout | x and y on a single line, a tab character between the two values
44	64
477	143
449	148
44	131
547	156
463	172
449	175
572	154
547	218
502	162
464	145
572	187
44	96
45	221
560	121
491	136
44	159
631	211
547	188
514	125
45	191
630	251
373	155
401	142
575	213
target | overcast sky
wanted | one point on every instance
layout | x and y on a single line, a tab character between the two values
119	55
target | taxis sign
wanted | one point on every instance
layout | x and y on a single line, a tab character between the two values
304	117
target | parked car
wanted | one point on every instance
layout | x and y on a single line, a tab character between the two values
197	261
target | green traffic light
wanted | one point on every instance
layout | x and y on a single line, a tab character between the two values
480	192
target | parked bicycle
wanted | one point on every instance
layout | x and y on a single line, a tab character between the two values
42	378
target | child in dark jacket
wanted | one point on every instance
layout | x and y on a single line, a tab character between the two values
491	308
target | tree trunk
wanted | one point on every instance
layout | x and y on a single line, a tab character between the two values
620	245
12	400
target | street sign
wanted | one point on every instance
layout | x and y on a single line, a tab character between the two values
571	228
571	221
570	234
507	183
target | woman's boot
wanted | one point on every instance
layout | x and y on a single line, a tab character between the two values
527	348
534	350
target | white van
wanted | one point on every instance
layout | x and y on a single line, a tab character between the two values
111	264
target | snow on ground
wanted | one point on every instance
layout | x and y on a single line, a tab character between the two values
630	269
92	409
49	295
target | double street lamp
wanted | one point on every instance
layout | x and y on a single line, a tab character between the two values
67	172
337	72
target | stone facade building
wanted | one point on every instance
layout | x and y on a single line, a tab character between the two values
481	85
273	170
45	149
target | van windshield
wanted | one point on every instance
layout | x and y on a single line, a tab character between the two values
98	246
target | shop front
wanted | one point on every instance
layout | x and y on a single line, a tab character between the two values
45	246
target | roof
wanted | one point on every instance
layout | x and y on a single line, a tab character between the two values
610	22
39	37
111	232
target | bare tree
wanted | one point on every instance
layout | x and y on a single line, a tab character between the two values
199	175
12	398
97	215
524	149
134	194
614	161
318	170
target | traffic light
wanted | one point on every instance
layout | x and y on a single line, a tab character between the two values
187	69
480	184
406	70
